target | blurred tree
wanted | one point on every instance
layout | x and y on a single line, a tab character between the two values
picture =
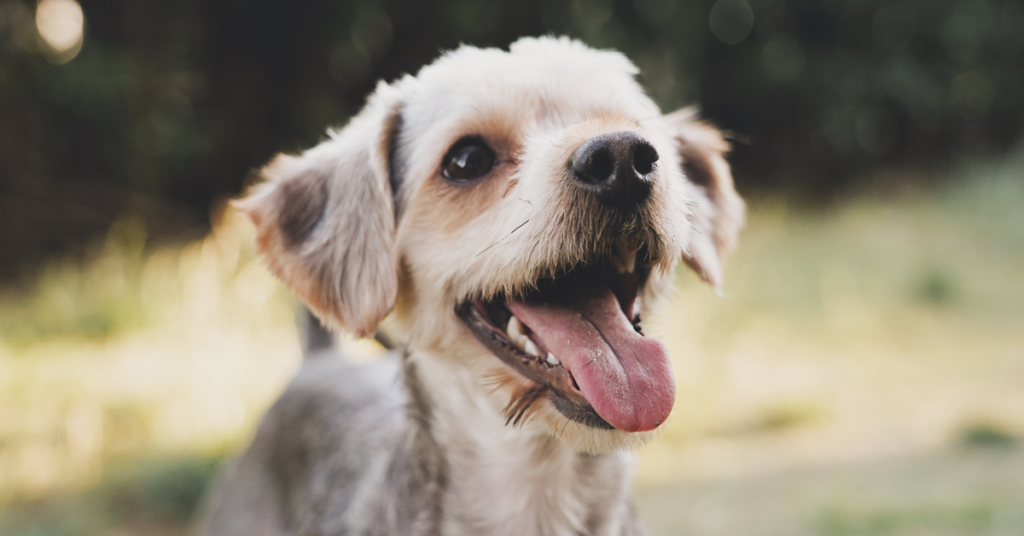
167	106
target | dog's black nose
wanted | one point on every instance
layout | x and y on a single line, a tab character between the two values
616	167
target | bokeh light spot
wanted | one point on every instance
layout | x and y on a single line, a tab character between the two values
61	26
731	20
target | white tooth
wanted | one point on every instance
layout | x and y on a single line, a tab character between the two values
552	360
514	329
516	333
531	348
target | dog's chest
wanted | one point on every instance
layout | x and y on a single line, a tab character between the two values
526	485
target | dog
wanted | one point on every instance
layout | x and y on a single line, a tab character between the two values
510	216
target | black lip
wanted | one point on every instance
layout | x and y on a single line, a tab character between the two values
566	398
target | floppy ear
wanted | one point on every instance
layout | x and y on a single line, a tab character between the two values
325	220
718	212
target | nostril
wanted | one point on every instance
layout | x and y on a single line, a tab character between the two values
616	168
601	164
596	166
644	158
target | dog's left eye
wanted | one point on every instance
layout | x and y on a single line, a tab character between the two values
467	160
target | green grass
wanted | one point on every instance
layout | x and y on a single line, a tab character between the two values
988	435
150	495
91	298
968	517
946	491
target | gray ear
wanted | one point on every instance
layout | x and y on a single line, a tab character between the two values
325	219
718	213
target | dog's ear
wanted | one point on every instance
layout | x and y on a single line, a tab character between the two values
325	220
717	212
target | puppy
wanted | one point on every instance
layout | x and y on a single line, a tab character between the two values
514	215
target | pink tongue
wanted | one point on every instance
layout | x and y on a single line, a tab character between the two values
625	376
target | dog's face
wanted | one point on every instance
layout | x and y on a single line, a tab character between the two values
519	212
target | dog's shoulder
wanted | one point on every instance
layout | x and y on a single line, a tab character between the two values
319	449
333	404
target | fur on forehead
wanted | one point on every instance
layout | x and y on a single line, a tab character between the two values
555	80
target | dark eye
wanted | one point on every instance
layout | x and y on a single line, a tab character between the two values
467	160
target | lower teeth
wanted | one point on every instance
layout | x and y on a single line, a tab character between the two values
519	338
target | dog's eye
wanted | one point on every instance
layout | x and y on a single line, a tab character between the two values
467	160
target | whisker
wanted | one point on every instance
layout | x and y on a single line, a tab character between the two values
502	239
520	225
562	431
495	381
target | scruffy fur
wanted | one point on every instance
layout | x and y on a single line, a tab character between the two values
364	227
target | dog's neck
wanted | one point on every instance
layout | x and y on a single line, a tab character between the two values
486	477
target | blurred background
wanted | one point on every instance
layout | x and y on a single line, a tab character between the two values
862	375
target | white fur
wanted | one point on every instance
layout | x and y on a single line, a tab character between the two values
533	474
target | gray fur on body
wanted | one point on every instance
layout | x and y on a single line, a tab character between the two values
348	450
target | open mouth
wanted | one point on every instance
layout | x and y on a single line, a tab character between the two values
577	336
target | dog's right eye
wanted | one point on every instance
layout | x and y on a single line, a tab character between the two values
467	160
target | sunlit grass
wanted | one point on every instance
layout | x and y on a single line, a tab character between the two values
881	328
138	351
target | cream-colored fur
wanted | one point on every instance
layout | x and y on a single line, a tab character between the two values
331	227
535	476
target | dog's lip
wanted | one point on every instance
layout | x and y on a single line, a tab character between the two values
560	385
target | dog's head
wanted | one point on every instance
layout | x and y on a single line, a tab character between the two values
519	212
